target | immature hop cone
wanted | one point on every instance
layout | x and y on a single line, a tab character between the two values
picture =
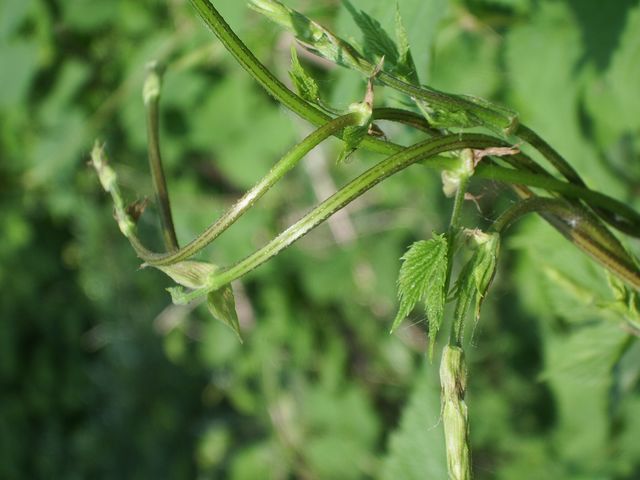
453	380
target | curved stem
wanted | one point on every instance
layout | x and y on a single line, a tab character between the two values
581	229
348	193
285	164
406	117
551	184
264	77
532	138
151	97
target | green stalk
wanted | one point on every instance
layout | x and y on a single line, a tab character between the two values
351	191
492	117
580	228
454	225
453	382
264	77
551	184
151	97
285	164
406	117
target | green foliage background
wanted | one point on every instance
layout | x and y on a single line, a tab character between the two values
100	377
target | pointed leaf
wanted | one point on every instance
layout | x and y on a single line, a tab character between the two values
222	305
422	276
377	43
354	134
305	84
475	278
406	67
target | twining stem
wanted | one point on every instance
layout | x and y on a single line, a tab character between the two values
285	164
393	164
151	97
491	116
582	229
406	117
552	184
264	77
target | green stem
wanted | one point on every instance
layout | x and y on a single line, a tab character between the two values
264	77
454	225
492	117
532	138
551	184
455	420
348	193
285	164
406	117
151	97
582	229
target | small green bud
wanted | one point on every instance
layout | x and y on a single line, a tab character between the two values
152	82
451	179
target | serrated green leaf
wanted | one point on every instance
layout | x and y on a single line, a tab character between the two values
222	305
406	66
376	41
422	276
305	84
475	278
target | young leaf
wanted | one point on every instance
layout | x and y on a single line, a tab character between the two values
422	276
475	278
354	134
222	305
305	84
406	66
377	43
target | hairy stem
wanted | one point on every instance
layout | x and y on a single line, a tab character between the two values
453	382
264	77
351	191
580	228
151	97
592	198
285	164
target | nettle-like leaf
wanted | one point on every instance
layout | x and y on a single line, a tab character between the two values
475	278
376	41
378	44
422	276
305	84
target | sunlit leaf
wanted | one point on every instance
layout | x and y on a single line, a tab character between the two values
422	276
